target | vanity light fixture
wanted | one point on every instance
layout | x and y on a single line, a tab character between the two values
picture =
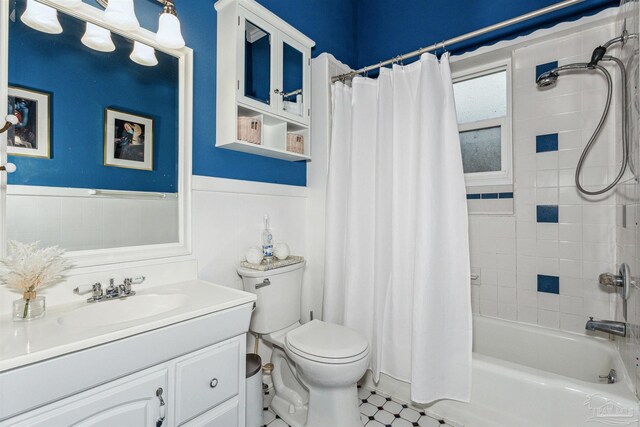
169	33
121	14
98	38
143	54
41	17
10	120
8	168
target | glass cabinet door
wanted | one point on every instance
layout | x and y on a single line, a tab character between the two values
294	80
255	83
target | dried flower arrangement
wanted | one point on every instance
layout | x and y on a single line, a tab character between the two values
29	268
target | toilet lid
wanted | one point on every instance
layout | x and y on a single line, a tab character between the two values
326	340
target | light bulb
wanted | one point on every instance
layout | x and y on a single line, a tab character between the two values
12	118
41	17
9	167
69	3
121	14
98	38
169	33
143	54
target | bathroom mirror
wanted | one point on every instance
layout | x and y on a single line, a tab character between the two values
257	63
292	79
101	147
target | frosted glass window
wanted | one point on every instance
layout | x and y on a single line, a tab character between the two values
481	150
481	98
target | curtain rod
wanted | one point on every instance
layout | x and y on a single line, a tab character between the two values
458	39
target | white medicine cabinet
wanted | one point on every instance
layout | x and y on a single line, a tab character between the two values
263	83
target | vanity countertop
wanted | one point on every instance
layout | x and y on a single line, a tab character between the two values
73	327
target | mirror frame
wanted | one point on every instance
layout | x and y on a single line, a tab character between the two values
97	257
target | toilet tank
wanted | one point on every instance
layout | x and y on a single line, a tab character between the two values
278	291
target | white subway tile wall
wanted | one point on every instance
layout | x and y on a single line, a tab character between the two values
541	264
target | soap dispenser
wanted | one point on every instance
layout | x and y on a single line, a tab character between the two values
267	240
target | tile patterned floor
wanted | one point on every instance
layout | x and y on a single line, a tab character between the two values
376	410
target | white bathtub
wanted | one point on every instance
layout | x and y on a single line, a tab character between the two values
532	376
529	376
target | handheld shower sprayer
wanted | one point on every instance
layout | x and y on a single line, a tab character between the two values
550	78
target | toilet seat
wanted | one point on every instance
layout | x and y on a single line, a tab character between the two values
327	343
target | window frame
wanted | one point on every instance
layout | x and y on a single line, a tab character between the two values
505	175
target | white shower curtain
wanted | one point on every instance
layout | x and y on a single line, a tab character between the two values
397	247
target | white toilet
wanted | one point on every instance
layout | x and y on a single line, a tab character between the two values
316	365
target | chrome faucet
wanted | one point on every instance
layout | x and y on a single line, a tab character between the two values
112	292
608	326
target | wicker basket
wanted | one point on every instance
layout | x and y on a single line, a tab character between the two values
295	143
250	130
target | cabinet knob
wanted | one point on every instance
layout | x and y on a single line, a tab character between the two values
213	383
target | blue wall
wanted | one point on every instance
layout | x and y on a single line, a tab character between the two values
82	82
330	23
357	32
386	28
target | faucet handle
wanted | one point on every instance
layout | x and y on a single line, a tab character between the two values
136	280
84	289
95	289
609	279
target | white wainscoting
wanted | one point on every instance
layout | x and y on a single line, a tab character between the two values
227	220
75	219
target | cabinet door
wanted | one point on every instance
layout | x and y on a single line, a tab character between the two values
294	84
130	401
257	73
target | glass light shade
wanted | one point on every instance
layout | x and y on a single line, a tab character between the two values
143	55
121	14
41	17
169	34
98	38
69	3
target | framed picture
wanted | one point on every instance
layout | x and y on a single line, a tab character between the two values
128	140
31	136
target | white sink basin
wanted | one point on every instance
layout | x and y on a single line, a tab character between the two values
122	310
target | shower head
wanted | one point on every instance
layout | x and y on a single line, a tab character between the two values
547	79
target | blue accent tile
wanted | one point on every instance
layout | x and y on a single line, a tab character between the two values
547	213
490	196
473	196
548	284
543	68
546	143
505	195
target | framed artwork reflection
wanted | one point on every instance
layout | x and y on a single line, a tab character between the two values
31	136
128	140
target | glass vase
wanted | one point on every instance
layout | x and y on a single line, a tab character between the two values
28	308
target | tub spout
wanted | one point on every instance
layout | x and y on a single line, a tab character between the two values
608	326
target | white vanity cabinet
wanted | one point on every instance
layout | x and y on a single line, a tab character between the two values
189	373
188	390
264	73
